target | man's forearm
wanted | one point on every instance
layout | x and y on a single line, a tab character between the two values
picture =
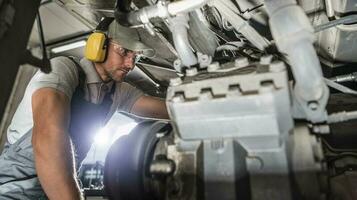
55	164
147	106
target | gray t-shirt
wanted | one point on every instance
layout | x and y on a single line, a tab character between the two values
64	78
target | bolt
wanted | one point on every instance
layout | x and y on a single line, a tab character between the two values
204	60
191	71
175	81
313	105
213	67
178	65
277	66
162	167
177	62
241	62
266	60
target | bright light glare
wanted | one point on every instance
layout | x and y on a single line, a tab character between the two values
106	136
124	130
70	46
102	137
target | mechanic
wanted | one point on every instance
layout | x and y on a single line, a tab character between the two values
53	127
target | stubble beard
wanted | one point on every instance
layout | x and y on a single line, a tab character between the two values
113	76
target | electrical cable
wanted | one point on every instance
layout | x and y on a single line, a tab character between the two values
344	20
341	116
334	150
345	78
340	87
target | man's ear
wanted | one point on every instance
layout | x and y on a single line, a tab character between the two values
96	47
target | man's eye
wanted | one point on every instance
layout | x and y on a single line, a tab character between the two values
122	51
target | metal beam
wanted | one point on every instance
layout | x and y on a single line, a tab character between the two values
13	44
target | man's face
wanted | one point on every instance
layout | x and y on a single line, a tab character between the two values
119	62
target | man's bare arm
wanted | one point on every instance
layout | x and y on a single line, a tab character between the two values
147	106
51	144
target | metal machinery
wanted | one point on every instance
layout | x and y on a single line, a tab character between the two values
251	112
233	137
248	115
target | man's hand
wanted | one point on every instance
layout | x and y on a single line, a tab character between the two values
151	107
52	147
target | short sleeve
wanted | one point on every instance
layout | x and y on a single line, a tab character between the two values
125	96
63	77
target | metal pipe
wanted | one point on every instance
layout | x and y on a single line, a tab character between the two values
294	36
163	10
345	78
241	25
344	20
341	116
329	8
179	26
273	6
308	77
340	87
184	6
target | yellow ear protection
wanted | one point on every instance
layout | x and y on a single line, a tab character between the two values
97	42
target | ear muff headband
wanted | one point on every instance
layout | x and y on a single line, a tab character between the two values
97	42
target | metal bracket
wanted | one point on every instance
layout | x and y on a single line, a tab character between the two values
44	64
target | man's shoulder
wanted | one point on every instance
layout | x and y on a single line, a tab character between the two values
64	64
63	76
65	68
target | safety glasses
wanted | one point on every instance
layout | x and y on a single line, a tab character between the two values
126	52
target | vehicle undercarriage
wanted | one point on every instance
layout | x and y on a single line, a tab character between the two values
250	110
262	102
